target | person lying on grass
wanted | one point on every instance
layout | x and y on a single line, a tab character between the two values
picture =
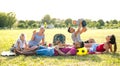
95	48
67	50
59	50
20	44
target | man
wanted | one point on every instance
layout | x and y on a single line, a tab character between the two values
76	34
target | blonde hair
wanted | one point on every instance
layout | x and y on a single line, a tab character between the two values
22	34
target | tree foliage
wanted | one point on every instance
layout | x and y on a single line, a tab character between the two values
7	19
46	19
68	22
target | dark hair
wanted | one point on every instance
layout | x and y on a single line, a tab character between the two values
69	29
81	44
113	41
86	41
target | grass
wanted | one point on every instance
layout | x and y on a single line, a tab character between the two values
8	37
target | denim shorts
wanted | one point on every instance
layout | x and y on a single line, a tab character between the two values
93	47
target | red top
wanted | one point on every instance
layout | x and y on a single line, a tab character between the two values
100	48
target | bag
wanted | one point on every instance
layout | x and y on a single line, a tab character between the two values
59	37
8	53
12	48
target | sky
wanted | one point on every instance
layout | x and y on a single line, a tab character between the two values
63	9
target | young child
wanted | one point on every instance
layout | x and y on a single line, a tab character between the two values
65	50
20	44
91	40
95	48
80	21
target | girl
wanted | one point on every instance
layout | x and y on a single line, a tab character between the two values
65	50
95	48
20	44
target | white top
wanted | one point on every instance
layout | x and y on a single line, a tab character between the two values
76	38
22	44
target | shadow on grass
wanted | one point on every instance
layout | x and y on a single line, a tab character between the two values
93	58
114	55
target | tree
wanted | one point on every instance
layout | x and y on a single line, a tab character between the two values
46	19
114	21
34	25
3	19
21	25
101	22
53	20
30	22
68	22
7	19
11	19
22	21
107	23
98	26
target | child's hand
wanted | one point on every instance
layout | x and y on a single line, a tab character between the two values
57	48
34	32
98	52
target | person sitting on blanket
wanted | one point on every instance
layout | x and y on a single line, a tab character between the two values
95	48
36	39
20	44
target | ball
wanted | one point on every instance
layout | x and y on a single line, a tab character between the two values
82	51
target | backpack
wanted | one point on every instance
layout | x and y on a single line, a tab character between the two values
59	37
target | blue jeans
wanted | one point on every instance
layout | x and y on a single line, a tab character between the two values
45	51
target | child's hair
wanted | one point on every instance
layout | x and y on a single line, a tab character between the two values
69	29
81	44
91	40
113	41
22	34
59	38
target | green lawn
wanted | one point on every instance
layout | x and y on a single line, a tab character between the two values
8	37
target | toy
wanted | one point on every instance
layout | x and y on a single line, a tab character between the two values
82	51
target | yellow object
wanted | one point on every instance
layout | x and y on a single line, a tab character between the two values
82	51
45	24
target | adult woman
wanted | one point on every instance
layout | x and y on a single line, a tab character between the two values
37	37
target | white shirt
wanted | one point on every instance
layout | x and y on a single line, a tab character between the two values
76	38
22	43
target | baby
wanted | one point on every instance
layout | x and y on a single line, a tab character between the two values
78	23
